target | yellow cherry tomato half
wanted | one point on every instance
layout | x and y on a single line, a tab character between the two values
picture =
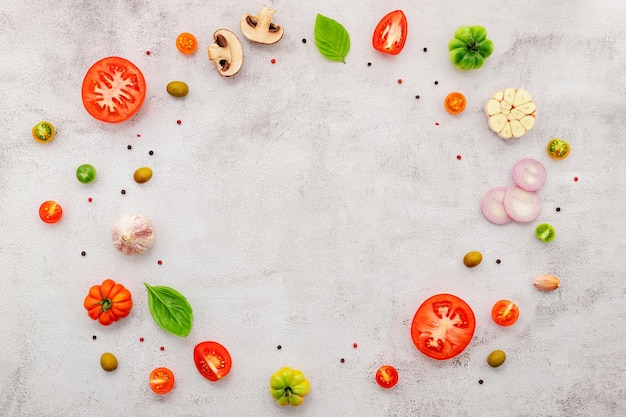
186	43
50	211
43	132
455	102
558	148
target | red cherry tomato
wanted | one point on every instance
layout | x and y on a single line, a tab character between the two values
443	326
161	380
186	43
390	33
113	89
387	376
50	211
505	313
455	102
212	360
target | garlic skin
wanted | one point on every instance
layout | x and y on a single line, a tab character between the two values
546	282
132	234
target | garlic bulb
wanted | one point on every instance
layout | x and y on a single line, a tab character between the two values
132	234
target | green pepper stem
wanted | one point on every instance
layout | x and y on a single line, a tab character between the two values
472	45
288	391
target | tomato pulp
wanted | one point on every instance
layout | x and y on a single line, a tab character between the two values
50	211
390	33
443	326
505	313
161	380
387	376
212	360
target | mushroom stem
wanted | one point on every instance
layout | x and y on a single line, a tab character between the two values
218	53
264	18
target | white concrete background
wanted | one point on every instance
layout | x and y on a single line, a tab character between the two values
313	204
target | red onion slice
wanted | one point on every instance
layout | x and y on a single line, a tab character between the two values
523	206
493	206
529	174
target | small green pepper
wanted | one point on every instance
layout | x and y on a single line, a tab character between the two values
470	47
289	386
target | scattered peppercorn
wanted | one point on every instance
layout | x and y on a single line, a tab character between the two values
303	40
417	97
354	345
279	347
273	61
575	178
162	348
425	49
436	123
129	147
160	262
458	157
83	253
151	153
178	122
436	82
342	360
369	64
123	191
138	135
147	52
558	209
94	337
498	261
399	80
141	339
480	381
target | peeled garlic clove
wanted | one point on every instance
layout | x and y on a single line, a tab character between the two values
132	234
546	282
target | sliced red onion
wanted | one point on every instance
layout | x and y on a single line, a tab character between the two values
493	206
523	206
529	174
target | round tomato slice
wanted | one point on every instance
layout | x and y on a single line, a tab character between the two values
454	102
443	326
390	33
50	211
558	148
212	360
186	43
161	380
387	376
113	89
505	313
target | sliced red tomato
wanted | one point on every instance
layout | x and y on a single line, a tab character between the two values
390	33
50	211
443	326
113	89
387	376
505	313
161	380
212	360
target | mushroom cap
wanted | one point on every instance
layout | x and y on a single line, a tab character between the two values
226	52
253	28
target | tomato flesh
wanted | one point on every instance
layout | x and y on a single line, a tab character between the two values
443	326
505	313
113	90
43	132
390	33
50	212
558	148
455	103
186	43
161	380
212	360
387	376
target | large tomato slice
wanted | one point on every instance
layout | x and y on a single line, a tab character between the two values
390	33
443	326
212	360
113	89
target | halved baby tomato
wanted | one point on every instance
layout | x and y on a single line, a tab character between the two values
505	313
558	148
186	43
113	89
454	102
212	360
161	380
50	211
43	132
443	326
387	376
390	33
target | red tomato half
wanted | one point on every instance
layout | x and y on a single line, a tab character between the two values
390	33
387	376
50	211
443	326
161	380
505	313
212	360
113	89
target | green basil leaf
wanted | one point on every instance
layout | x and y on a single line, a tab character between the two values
331	38
170	309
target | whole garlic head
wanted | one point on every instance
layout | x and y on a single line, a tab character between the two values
132	234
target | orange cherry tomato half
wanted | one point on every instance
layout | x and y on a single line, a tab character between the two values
505	313
161	380
50	211
454	102
387	376
186	43
558	148
443	326
390	33
212	360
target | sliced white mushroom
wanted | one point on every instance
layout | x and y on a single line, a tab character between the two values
226	52
260	28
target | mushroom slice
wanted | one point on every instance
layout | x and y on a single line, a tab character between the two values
226	52
260	28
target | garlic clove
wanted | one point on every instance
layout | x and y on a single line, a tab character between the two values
132	234
546	282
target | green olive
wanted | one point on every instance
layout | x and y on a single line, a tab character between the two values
496	358
142	175
473	258
177	89
108	361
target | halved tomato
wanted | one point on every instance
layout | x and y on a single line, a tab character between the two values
390	33
113	89
387	376
505	313
186	43
443	326
212	360
161	380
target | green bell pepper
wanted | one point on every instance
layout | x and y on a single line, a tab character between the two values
289	386
470	47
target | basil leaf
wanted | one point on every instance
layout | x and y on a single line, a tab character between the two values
331	38
170	309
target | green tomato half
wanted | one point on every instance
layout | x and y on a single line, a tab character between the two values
85	173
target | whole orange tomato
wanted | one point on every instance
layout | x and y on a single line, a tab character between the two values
108	302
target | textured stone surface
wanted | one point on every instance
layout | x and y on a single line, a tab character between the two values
313	204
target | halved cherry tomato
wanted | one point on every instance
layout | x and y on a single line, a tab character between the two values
505	313
212	360
387	376
186	43
161	380
43	132
454	102
113	89
390	33
443	326
558	148
50	212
